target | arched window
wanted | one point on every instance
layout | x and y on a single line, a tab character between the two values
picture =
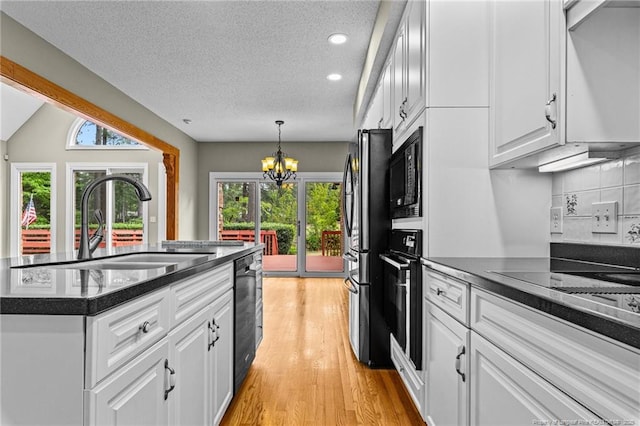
85	134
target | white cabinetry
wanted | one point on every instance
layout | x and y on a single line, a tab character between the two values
259	303
134	394
446	337
526	96
409	66
504	392
447	384
411	377
221	356
603	76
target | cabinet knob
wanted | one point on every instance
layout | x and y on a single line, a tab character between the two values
145	327
440	291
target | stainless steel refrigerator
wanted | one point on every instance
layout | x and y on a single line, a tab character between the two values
367	225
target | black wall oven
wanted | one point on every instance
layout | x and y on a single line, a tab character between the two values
403	291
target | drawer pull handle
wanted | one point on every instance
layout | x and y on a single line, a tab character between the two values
172	379
440	291
145	327
460	353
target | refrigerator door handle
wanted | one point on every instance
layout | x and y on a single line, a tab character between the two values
348	283
350	257
364	190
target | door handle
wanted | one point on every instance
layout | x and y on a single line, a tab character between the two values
399	266
460	353
547	111
350	286
171	379
349	257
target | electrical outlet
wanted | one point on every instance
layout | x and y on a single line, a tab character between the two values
604	217
556	220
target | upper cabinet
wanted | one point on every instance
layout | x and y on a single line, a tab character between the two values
409	66
603	73
526	72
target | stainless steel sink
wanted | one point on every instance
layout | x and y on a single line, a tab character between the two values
133	261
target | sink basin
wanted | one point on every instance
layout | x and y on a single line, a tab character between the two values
133	261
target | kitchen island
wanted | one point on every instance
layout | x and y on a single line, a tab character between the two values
136	335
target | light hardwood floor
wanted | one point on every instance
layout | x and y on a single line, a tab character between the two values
305	373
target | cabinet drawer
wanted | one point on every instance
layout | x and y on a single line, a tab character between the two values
599	373
192	294
121	333
450	294
411	378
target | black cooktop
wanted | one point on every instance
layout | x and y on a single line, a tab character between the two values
613	285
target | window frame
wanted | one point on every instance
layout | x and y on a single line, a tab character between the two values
77	125
108	168
16	203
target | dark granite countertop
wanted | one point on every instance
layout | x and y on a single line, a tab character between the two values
27	288
614	322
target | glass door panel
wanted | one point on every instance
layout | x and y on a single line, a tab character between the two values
279	226
236	211
323	235
127	224
35	219
97	201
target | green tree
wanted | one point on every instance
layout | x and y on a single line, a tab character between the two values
38	184
323	211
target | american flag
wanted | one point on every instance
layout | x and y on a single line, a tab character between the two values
29	216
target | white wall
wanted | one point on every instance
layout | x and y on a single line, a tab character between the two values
43	139
246	156
4	191
29	50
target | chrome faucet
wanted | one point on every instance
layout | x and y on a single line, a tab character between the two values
87	248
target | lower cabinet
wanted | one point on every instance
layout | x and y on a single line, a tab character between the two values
505	392
411	377
447	362
132	395
184	379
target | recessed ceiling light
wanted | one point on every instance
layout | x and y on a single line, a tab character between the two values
334	77
338	38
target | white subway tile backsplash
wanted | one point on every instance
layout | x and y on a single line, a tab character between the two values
631	230
582	179
632	169
576	190
611	173
631	197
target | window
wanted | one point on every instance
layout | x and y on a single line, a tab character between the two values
85	134
125	217
33	201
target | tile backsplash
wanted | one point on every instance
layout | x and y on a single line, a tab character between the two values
576	190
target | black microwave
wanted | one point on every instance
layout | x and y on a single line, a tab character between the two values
406	178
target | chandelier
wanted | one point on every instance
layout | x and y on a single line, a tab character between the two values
279	167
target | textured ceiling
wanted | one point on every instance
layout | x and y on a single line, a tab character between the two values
232	67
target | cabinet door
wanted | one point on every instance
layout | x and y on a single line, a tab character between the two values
221	355
133	395
189	359
526	39
447	392
415	62
505	392
387	98
398	80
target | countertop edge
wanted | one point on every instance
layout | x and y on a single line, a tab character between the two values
590	320
94	305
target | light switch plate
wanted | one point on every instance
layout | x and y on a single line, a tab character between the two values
604	217
556	220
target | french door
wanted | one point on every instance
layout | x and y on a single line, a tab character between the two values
300	222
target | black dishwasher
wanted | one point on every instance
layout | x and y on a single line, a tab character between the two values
244	317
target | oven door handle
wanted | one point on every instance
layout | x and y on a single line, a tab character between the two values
350	285
399	266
